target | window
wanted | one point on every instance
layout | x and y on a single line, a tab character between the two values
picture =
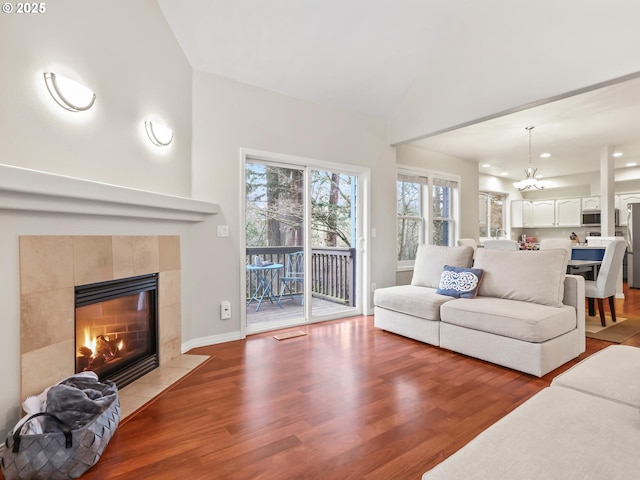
410	219
492	213
425	213
442	220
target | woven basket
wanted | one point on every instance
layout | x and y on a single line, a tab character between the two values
62	454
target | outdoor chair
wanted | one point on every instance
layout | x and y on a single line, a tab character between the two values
294	273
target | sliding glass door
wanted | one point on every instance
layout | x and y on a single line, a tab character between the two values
301	231
274	231
333	241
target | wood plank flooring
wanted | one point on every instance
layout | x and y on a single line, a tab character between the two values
346	401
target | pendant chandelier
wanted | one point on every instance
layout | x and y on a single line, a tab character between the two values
530	180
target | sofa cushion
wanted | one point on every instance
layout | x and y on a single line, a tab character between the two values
529	322
530	276
460	282
431	259
556	434
611	373
416	301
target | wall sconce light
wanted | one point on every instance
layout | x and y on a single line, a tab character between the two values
159	134
69	94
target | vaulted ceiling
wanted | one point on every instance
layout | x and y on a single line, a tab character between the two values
364	56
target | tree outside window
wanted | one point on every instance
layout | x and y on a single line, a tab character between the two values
275	207
442	212
410	220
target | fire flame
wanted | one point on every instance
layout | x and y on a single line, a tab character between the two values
89	342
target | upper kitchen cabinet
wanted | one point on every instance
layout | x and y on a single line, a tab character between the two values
626	199
544	213
568	212
591	203
521	213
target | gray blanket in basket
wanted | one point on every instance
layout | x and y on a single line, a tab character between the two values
79	399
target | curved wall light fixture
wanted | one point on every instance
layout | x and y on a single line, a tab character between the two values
69	94
159	134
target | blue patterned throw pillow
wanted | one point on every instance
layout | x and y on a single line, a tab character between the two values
460	282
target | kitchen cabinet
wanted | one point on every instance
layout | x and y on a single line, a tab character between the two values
568	212
591	203
565	212
544	213
521	213
626	199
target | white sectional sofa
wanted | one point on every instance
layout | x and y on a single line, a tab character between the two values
585	426
528	314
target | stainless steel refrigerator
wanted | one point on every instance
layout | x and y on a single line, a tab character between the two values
633	251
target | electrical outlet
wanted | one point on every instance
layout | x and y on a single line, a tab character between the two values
225	310
223	230
373	287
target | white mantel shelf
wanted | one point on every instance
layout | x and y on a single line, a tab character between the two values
36	191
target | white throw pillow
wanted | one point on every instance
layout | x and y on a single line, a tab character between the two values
431	259
530	276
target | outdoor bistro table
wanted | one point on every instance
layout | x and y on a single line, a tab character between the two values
265	274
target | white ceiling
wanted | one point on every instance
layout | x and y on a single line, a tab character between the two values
363	55
359	55
573	130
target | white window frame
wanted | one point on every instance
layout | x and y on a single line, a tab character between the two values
426	234
505	212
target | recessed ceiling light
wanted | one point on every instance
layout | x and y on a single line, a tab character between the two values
539	176
504	174
632	164
486	165
545	155
617	154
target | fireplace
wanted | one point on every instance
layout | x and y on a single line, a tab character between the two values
116	328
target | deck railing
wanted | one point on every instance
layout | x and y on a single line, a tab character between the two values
332	272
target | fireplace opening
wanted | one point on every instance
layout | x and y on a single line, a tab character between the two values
117	328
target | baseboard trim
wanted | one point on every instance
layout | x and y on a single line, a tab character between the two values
211	340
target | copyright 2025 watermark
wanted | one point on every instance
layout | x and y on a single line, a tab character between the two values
24	8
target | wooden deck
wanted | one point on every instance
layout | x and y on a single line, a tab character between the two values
292	309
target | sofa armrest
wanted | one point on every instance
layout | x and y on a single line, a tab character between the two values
574	296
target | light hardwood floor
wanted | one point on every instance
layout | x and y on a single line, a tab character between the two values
346	401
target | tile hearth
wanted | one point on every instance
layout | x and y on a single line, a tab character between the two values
143	390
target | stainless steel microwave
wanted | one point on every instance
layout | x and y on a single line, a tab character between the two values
592	218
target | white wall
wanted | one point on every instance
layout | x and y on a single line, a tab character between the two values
125	52
229	116
530	51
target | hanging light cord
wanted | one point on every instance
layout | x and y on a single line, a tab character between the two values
530	164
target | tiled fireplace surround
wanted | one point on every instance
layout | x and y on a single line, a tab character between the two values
50	268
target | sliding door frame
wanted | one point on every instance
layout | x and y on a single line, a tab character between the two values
363	263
